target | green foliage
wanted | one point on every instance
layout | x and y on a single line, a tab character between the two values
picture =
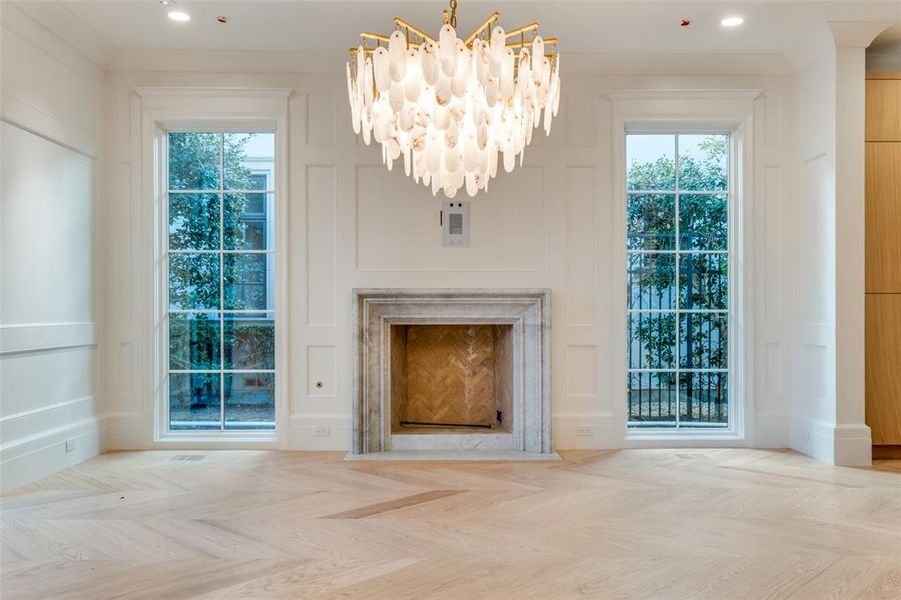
703	278
194	218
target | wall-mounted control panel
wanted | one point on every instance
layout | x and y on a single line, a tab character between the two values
454	218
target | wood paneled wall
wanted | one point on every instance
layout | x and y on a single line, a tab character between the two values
883	258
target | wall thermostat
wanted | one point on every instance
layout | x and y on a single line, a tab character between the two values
454	218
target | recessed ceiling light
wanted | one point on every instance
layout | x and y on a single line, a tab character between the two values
732	21
179	15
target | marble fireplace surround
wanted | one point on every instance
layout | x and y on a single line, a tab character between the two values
526	310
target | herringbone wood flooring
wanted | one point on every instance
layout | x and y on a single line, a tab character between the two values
665	524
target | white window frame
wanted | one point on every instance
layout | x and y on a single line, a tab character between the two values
218	110
691	112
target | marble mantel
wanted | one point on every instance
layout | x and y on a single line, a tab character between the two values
526	310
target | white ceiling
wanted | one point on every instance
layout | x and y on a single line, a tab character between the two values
771	27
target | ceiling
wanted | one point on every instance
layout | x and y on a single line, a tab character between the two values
584	27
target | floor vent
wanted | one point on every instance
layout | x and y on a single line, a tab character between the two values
188	457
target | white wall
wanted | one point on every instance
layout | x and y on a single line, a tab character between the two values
814	307
828	312
352	224
49	138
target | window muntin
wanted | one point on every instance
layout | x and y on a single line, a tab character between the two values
678	289
220	281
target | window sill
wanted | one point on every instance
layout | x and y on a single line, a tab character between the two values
683	437
229	437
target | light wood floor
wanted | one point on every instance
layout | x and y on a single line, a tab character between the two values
666	524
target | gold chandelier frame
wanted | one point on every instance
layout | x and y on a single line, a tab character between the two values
416	36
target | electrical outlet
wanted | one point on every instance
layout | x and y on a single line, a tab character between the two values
70	445
321	431
585	431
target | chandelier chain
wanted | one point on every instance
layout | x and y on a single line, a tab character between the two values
453	18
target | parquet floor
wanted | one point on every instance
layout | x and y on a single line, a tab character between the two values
665	524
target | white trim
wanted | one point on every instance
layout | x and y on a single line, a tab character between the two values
42	454
693	111
704	95
44	337
843	445
78	147
220	109
218	93
41	410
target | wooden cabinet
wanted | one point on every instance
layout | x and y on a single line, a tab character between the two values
883	258
883	217
883	367
883	114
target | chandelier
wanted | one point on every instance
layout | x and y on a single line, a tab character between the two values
450	106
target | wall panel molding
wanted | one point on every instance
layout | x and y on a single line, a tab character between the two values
30	103
44	337
20	427
322	244
581	246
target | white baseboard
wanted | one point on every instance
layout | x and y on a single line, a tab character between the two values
305	432
134	431
585	430
853	445
39	455
773	430
842	445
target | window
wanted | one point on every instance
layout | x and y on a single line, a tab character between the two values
678	258
220	274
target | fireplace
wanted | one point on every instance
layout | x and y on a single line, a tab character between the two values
452	370
451	378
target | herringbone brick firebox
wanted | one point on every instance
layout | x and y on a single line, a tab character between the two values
451	378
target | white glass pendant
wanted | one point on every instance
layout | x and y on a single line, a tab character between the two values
443	93
451	160
461	76
433	158
397	55
441	118
484	162
407	120
451	134
509	160
506	80
354	108
481	54
498	48
430	65
367	82
436	185
407	161
470	154
413	77
447	50
396	96
471	187
537	59
491	92
380	69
